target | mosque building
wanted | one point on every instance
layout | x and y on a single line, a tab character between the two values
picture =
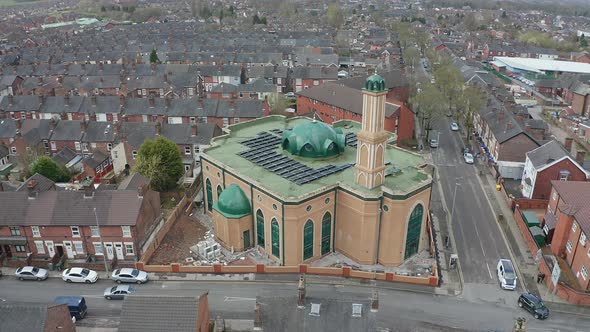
299	189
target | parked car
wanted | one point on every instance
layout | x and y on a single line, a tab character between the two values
434	143
31	273
118	292
290	95
78	274
454	126
468	158
506	274
76	305
129	275
534	305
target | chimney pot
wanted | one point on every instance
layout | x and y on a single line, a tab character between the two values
140	191
89	190
31	188
568	144
194	130
580	157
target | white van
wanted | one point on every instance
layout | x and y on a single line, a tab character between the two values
506	274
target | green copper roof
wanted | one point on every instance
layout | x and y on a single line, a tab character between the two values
314	139
233	203
375	83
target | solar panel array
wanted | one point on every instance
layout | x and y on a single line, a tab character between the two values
262	153
351	140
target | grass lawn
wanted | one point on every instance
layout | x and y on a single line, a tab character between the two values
5	3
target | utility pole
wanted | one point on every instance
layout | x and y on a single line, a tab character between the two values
104	254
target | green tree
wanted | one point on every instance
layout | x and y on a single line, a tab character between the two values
471	23
504	14
334	15
154	57
231	10
263	20
278	103
221	16
472	99
583	41
50	169
449	81
429	105
411	57
255	19
161	162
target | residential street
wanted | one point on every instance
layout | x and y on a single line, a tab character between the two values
399	310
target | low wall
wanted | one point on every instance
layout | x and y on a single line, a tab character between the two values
345	271
524	230
527	204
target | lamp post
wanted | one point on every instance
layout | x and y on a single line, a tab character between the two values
457	184
438	149
104	255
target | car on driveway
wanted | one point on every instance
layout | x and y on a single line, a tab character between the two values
78	274
290	95
118	292
534	305
129	275
31	273
454	126
434	143
468	158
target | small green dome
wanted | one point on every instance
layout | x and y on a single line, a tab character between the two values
375	83
314	139
233	203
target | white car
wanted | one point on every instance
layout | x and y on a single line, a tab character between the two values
78	274
468	158
454	126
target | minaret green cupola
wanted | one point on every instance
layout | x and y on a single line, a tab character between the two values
375	83
314	139
233	203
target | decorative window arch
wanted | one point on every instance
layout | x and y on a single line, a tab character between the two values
414	231
308	240
275	238
260	228
209	195
219	191
326	233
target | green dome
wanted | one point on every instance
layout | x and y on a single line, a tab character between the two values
233	203
314	140
375	83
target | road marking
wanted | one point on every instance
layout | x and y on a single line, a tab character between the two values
234	299
489	271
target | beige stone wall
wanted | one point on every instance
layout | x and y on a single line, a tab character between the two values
271	208
230	232
215	175
356	227
394	226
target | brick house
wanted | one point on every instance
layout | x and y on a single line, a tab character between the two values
583	57
96	165
569	213
67	133
581	98
10	85
24	135
145	109
547	163
48	222
214	75
332	102
302	78
20	107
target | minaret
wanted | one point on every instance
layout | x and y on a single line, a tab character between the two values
370	164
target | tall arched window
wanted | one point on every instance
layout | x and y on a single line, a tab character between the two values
274	238
326	233
209	195
219	191
260	228
414	230
308	240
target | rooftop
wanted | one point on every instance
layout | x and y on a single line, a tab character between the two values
403	174
540	65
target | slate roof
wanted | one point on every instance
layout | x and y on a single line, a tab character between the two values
104	104
96	158
141	106
393	79
546	154
282	314
7	128
137	132
20	103
64	156
67	130
43	183
133	182
34	130
185	107
575	196
23	317
99	132
159	313
3	151
116	207
182	133
330	73
57	104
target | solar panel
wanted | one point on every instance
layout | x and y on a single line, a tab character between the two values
272	161
288	170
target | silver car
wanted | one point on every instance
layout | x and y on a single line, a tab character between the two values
129	275
31	273
118	292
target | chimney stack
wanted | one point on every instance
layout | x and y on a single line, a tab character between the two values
89	190
194	130
10	100
67	100
568	144
18	124
83	126
32	189
152	102
301	292
580	157
140	191
375	301
508	125
52	124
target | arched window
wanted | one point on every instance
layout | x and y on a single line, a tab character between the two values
308	240
414	230
219	191
274	237
326	233
260	228
209	195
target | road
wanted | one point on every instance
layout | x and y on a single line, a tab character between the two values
398	310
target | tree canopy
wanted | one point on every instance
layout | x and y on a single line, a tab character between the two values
154	57
334	15
160	161
472	99
449	80
429	105
50	169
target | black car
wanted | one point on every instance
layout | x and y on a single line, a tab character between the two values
534	304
